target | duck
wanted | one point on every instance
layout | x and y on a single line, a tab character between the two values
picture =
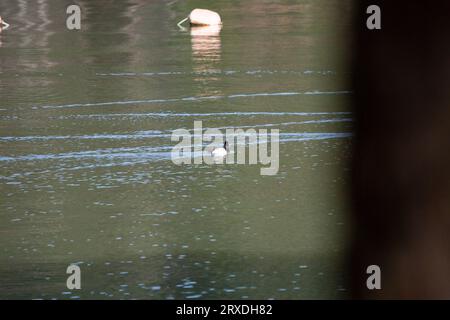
220	152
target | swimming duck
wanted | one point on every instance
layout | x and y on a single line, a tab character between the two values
220	152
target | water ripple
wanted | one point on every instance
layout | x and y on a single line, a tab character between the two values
150	153
157	134
200	98
221	72
213	114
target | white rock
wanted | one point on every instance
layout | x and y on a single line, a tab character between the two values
204	17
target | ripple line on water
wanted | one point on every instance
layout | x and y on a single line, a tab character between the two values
201	98
213	114
148	153
217	71
157	134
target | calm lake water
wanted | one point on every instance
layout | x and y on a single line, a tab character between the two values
85	171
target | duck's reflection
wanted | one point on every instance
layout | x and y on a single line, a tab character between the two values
206	55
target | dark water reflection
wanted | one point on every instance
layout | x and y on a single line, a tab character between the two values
86	176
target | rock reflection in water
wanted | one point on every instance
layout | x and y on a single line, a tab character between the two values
206	55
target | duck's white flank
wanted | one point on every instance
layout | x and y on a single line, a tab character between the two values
220	152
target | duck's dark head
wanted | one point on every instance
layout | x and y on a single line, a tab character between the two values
225	145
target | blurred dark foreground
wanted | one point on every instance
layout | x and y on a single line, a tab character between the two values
402	151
